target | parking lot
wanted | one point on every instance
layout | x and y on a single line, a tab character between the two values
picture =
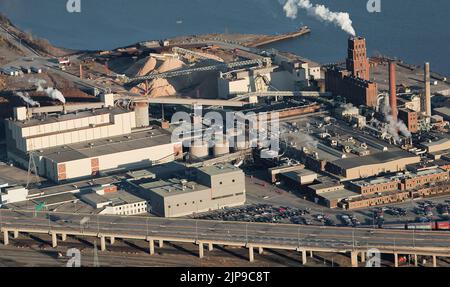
261	192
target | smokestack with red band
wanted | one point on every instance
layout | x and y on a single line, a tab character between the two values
393	89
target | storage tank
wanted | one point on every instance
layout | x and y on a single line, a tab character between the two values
199	150
142	114
241	140
221	148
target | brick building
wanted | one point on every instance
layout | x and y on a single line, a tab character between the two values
353	82
410	118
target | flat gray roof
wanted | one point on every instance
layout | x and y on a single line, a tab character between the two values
122	197
219	169
115	198
381	157
324	185
138	140
444	111
35	121
338	195
94	197
442	139
172	187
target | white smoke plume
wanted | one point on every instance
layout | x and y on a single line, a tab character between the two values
55	94
26	98
320	12
38	83
394	126
51	92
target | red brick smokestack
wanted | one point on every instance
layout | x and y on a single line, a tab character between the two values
393	90
81	71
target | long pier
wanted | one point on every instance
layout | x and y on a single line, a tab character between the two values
266	40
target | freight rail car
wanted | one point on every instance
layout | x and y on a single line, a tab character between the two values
433	225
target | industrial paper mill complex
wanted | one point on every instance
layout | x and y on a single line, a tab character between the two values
219	140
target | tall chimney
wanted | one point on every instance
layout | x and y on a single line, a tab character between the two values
393	89
426	103
81	71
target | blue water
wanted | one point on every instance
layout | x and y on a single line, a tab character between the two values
413	30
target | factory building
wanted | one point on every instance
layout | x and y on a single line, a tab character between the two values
111	201
299	177
215	187
403	181
287	75
434	146
357	60
356	90
69	143
372	165
330	194
130	151
353	82
409	101
410	118
365	201
13	194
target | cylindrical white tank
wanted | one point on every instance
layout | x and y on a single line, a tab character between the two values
221	148
142	114
199	150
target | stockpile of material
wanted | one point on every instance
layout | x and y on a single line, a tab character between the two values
148	67
160	88
170	65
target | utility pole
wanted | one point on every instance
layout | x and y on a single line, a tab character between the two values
31	169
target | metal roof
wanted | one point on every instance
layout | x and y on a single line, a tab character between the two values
378	158
134	141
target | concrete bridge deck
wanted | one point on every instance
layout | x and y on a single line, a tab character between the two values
208	233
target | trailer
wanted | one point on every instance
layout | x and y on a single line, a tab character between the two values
25	70
36	70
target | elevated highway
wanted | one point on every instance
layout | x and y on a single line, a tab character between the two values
209	233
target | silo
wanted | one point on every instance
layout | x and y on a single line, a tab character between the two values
199	150
221	148
241	141
142	114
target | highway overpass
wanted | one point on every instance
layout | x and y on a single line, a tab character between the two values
299	238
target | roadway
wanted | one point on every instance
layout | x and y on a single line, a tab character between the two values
18	42
230	233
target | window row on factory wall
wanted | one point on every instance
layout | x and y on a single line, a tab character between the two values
214	198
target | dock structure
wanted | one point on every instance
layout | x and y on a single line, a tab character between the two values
266	40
